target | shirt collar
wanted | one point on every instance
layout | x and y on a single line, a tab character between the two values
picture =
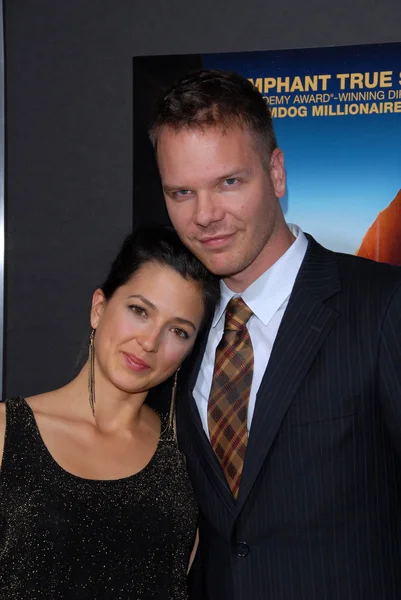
265	295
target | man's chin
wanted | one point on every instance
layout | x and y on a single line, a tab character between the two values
216	262
221	269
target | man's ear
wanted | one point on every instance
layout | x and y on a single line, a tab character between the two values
277	172
98	306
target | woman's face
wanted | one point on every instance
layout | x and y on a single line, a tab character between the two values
147	328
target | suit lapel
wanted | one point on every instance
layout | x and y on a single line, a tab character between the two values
193	423
305	325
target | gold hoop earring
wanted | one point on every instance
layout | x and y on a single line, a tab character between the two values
91	371
171	417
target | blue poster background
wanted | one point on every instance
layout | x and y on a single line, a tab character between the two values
342	169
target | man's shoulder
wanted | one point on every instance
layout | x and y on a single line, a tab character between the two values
375	274
365	281
358	270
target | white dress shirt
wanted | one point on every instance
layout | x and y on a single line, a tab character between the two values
267	297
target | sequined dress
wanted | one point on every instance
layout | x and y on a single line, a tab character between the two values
62	536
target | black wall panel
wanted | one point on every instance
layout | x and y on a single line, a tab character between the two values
69	96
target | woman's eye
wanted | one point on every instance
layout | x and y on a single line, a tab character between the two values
138	310
180	333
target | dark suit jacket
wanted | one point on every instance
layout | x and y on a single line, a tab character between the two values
318	515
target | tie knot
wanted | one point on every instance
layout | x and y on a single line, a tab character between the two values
237	314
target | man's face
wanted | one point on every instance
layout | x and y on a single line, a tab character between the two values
221	199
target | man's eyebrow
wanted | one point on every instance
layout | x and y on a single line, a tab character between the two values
172	188
234	173
229	175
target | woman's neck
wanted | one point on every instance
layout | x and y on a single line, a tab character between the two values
114	408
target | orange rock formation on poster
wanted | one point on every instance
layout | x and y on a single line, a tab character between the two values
382	241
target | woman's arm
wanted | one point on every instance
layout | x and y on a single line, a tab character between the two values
196	589
194	549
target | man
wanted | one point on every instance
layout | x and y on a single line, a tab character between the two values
290	412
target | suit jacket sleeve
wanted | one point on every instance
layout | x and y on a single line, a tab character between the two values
195	579
390	368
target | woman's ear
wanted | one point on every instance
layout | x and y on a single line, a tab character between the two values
98	306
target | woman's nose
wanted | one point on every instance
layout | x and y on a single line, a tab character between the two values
150	341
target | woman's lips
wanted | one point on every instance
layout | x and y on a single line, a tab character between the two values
135	363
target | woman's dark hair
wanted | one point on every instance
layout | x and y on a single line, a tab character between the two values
161	245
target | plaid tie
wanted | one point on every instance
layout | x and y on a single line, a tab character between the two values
229	396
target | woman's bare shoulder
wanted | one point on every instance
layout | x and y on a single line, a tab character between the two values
40	401
48	403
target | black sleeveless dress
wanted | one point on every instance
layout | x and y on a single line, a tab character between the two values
62	536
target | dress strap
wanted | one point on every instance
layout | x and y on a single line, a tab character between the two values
19	417
172	424
22	441
168	420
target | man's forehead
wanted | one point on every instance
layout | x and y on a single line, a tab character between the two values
198	130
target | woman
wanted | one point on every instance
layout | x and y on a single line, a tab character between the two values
94	497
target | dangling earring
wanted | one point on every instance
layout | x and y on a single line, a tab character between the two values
171	417
91	371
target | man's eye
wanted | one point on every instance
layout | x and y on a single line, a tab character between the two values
138	310
182	193
231	181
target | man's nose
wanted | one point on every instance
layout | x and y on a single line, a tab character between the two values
208	209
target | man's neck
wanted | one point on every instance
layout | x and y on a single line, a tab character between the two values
270	254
